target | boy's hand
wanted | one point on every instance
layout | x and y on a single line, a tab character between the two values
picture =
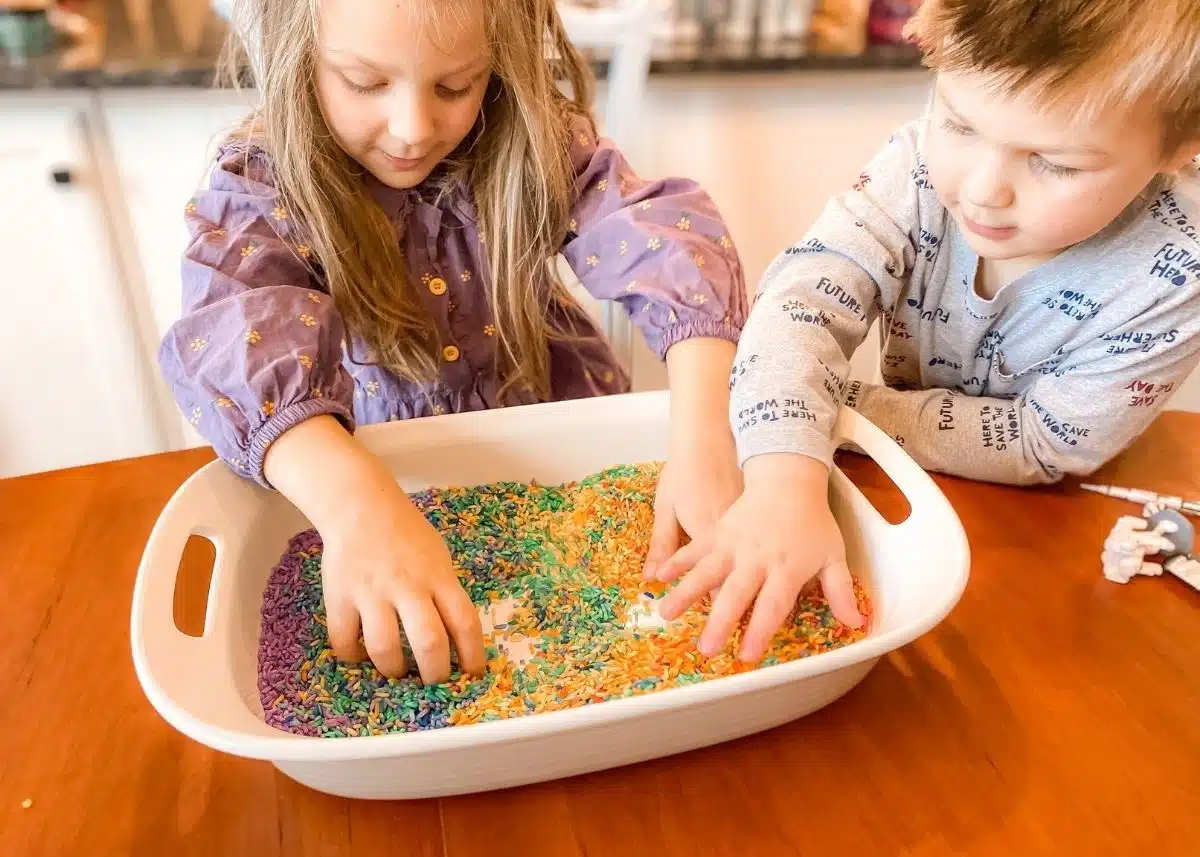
771	542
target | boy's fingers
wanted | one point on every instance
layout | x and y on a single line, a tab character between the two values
838	586
775	601
708	573
729	606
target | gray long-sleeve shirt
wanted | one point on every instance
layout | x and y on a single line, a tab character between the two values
1056	374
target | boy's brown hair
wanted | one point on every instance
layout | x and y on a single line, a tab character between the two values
1090	54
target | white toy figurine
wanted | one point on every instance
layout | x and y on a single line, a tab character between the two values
1186	569
1127	546
1160	532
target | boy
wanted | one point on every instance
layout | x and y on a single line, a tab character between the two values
1032	250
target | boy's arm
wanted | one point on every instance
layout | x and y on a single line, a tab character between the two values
1071	421
816	304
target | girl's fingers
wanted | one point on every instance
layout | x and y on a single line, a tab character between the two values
664	539
462	621
382	634
341	617
680	562
426	636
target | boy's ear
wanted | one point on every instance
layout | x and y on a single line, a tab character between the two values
1188	152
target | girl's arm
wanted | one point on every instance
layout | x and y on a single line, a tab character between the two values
698	371
659	248
701	479
256	361
258	348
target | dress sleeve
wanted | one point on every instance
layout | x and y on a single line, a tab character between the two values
659	248
258	348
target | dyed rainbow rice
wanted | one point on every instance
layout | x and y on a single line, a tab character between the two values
556	571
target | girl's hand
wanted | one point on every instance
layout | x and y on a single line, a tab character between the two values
772	541
384	565
701	478
698	484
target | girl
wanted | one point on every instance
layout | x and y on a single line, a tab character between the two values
376	243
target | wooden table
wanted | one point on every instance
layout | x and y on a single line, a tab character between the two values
1052	713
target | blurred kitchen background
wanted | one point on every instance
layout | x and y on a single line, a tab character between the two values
107	124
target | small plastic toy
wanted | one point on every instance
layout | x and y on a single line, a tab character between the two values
1181	532
1139	495
1161	531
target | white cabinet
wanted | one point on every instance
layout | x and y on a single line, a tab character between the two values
74	392
162	143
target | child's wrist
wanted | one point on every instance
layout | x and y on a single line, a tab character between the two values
698	404
368	499
698	370
332	478
786	470
699	429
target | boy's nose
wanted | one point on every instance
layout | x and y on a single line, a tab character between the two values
987	185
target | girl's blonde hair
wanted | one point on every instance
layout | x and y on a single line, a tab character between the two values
516	163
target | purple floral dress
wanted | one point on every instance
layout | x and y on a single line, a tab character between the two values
261	347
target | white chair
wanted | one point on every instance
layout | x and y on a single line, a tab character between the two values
625	30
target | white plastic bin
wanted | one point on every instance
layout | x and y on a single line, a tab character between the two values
206	687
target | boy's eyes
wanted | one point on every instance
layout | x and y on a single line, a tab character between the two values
1040	165
1037	163
955	128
